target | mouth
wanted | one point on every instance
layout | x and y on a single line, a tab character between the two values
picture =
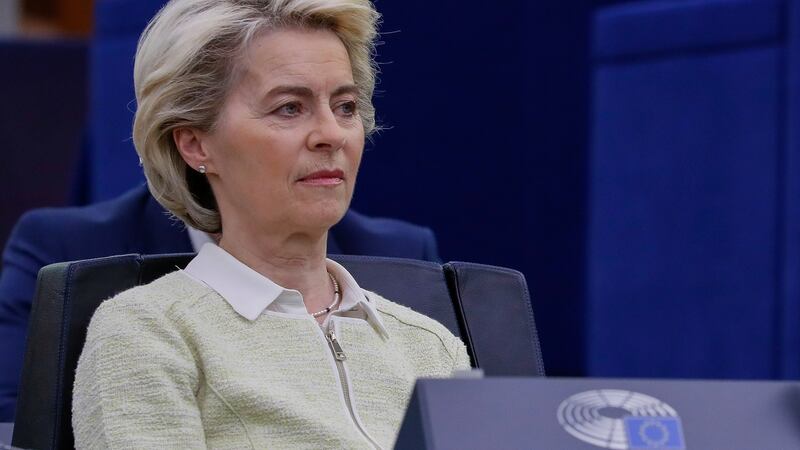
323	178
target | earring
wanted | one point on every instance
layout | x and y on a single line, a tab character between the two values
201	168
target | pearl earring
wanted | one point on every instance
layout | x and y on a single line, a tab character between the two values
201	168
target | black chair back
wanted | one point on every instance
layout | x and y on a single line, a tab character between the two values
488	307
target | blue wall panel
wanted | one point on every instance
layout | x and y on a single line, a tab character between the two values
689	209
683	241
788	347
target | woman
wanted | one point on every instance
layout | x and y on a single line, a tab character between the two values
251	122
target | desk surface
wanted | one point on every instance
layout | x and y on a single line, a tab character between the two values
6	430
602	413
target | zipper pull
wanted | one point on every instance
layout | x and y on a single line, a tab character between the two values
338	353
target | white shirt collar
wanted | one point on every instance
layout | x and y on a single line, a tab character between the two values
198	238
249	293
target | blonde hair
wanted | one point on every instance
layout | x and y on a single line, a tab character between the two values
186	61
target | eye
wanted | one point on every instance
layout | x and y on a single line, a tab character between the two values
290	109
347	109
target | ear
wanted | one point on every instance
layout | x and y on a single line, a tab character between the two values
189	142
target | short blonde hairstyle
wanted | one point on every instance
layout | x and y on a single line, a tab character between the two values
186	62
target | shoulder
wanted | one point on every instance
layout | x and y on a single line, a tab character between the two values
384	226
135	341
125	224
54	223
403	320
159	317
47	235
381	236
127	204
163	299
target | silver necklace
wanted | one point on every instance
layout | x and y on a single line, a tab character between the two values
336	296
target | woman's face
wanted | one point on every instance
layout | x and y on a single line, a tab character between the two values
285	151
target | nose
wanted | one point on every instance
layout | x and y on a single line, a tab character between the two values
327	133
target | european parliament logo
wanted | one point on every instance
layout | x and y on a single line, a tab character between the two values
621	420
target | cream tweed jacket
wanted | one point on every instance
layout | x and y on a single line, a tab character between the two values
171	365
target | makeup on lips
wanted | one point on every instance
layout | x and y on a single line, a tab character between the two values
324	178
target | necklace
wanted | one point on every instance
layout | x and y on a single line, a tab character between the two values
336	296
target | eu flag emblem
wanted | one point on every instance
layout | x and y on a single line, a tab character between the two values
648	432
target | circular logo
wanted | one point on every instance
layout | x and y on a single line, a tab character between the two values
598	417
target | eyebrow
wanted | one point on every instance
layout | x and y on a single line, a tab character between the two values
302	91
298	91
346	89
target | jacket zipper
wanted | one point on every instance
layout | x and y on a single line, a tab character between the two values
339	357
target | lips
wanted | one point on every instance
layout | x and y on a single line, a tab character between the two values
324	178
